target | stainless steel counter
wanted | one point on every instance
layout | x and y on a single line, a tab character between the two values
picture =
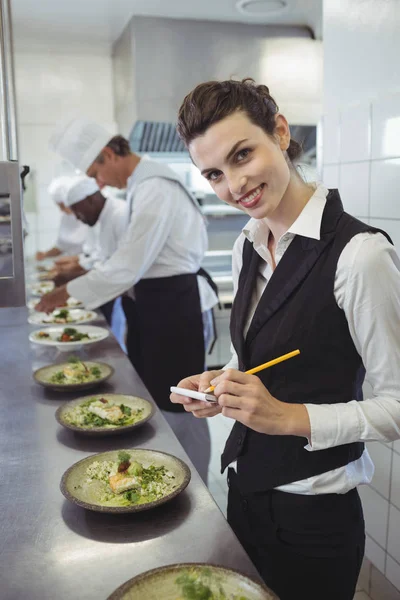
52	549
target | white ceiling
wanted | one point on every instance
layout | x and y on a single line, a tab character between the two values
102	21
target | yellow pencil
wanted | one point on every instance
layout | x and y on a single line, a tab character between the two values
266	365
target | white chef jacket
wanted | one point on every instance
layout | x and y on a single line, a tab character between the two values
106	233
367	289
71	234
166	235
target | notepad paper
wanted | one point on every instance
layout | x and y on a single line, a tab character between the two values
193	394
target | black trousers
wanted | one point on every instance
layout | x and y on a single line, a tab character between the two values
165	340
304	547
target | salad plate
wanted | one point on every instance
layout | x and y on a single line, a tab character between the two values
105	414
192	581
73	375
125	481
62	316
67	338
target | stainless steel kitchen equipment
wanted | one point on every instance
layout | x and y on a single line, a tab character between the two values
12	285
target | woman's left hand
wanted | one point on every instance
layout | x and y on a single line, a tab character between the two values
245	398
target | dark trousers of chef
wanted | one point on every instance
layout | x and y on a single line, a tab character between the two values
165	344
304	547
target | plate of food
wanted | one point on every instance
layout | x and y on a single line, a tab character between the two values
67	338
73	375
125	481
105	414
71	303
41	288
63	316
192	581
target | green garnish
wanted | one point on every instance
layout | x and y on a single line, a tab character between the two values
126	410
95	371
62	314
73	359
123	456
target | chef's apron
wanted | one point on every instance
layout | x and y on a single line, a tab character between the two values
165	339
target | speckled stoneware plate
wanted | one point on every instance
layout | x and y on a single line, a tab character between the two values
75	488
133	402
162	583
44	374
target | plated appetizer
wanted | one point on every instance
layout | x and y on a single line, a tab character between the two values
73	375
69	337
125	481
42	288
63	315
105	413
192	581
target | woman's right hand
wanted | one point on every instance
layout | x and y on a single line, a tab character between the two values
198	383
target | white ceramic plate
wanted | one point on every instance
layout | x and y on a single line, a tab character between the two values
71	303
96	334
77	315
41	288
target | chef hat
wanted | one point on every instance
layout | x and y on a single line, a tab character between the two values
79	141
79	188
58	189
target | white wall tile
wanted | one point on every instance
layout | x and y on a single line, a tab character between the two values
354	188
51	86
396	444
382	459
391	227
393	572
386	126
331	138
355	133
376	510
385	183
375	553
330	176
395	488
393	546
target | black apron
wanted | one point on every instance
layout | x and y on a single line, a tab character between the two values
165	340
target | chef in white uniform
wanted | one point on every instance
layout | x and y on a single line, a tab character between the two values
106	220
71	233
155	266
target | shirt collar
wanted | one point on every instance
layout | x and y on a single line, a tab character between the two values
131	179
307	224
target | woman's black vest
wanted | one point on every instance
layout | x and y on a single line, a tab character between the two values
297	310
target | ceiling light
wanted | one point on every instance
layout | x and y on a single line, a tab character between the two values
261	7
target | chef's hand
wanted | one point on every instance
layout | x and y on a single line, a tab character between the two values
65	260
245	398
40	255
198	383
52	300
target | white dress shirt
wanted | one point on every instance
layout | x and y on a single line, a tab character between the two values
71	234
367	289
166	236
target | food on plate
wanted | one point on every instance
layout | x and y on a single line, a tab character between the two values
42	288
76	372
126	482
71	303
69	334
203	584
102	412
64	315
42	335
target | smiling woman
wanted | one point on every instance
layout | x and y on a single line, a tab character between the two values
296	453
